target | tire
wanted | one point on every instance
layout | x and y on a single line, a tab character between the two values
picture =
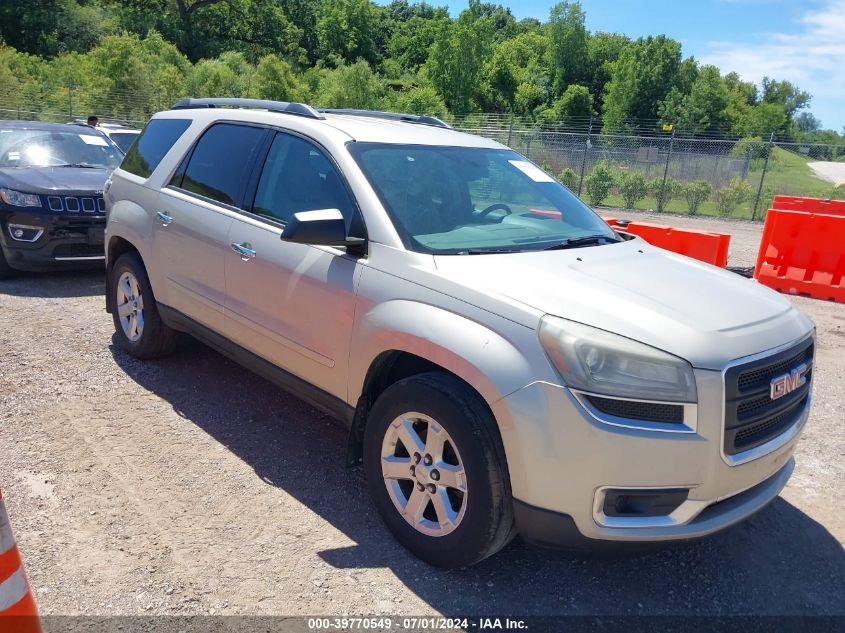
6	271
479	521
146	337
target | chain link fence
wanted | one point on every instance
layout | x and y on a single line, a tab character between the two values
648	167
669	170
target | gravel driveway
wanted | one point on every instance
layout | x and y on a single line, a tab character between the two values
191	486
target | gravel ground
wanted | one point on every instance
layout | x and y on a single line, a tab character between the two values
191	486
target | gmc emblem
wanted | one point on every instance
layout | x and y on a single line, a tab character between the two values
787	383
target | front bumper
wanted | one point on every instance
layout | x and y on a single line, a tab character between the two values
62	241
562	461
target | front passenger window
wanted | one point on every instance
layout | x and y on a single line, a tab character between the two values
297	176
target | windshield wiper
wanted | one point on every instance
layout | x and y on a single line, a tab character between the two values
489	251
85	165
577	242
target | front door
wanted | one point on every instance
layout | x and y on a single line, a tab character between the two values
293	304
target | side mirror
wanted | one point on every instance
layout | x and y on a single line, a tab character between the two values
324	227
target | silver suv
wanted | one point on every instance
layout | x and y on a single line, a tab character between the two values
506	362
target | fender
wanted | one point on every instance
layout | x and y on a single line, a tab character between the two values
493	365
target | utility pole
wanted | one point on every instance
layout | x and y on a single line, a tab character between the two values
763	176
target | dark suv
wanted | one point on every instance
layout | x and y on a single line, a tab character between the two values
51	195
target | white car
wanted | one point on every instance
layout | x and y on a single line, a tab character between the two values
505	361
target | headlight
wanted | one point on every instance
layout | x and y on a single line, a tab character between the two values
603	363
19	199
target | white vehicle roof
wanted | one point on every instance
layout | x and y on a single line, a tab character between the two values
378	128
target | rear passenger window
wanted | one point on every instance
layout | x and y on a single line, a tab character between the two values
154	142
220	162
297	176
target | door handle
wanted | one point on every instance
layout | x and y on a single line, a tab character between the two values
244	250
164	218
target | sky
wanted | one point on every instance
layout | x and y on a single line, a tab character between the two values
802	41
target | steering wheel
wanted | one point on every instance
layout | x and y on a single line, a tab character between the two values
494	207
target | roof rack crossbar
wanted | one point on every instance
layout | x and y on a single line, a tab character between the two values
285	107
421	119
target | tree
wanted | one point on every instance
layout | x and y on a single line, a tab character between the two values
456	59
275	79
762	120
346	30
603	49
807	123
229	75
576	103
785	94
640	79
704	109
351	86
412	37
568	44
418	100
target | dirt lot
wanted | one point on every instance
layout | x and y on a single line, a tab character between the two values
191	486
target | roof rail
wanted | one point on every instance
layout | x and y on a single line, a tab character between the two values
285	107
422	119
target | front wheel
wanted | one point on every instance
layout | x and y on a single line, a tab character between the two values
139	329
436	471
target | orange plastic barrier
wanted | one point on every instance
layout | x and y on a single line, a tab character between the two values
809	205
707	246
803	253
17	606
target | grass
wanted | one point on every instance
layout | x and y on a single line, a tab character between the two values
787	174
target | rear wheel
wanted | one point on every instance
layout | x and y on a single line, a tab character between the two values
137	323
436	471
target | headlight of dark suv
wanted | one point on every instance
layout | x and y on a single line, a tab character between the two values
19	198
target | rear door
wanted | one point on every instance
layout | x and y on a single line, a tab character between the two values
294	304
194	214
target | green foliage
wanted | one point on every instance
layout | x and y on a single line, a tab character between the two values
456	59
275	79
346	30
599	183
567	44
576	103
352	86
633	187
418	100
695	193
753	144
569	179
730	197
640	79
703	108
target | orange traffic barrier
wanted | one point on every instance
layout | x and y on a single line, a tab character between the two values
17	606
803	253
809	205
706	246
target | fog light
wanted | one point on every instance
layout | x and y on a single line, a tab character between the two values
649	502
25	232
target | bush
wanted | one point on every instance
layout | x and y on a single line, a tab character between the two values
569	179
632	186
599	183
753	143
673	190
695	193
729	198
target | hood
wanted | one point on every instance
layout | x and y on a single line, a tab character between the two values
704	314
48	180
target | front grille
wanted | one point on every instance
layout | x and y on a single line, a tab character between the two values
752	418
77	250
76	204
633	410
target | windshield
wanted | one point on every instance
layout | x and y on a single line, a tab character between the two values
124	140
456	200
48	148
